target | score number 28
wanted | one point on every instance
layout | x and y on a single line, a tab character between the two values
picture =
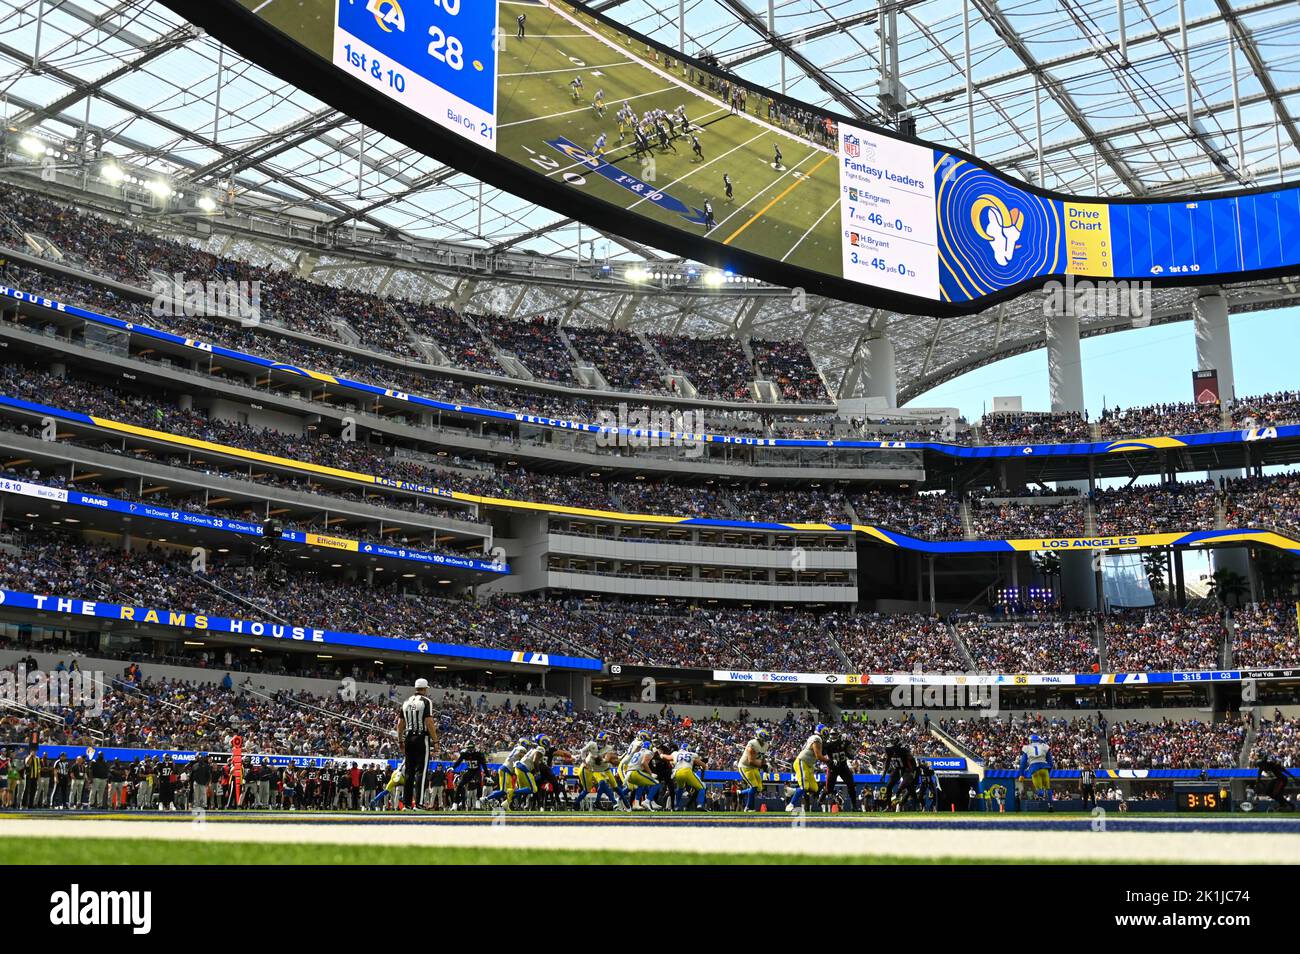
444	48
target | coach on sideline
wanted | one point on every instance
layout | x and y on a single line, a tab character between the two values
415	728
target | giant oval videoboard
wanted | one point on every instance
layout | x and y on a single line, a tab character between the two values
562	106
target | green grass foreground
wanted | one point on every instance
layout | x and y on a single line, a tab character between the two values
114	851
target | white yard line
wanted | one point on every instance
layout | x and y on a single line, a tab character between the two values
707	162
834	205
763	191
568	69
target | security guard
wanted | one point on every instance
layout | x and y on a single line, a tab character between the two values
416	730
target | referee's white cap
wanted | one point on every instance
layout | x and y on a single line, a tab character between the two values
422	684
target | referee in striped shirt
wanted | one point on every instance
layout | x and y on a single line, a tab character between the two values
416	730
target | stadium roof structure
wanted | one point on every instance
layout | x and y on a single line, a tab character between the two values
1102	97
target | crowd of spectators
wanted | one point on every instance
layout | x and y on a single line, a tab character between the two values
1075	743
1031	645
1177	744
788	365
882	642
929	516
1013	518
131	255
620	357
458	340
1271	502
1265	636
1278	737
535	342
717	367
1034	427
1266	410
1163	639
1191	505
1156	419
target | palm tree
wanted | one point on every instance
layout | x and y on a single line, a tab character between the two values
1153	563
1228	586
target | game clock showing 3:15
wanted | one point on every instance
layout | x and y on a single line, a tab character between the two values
1210	800
437	57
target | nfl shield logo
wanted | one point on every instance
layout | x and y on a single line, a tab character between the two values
852	146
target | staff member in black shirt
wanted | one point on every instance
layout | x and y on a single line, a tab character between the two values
416	730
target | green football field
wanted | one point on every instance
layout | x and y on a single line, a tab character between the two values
111	851
789	213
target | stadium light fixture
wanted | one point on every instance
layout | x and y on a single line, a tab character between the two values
32	146
207	203
159	188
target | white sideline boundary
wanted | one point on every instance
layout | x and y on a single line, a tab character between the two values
1045	846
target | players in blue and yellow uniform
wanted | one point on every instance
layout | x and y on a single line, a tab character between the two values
620	773
1036	765
752	762
595	760
686	776
505	789
805	768
526	769
637	775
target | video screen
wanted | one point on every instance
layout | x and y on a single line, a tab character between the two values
567	95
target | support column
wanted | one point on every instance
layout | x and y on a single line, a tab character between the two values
880	375
1214	350
1214	341
1064	365
1065	390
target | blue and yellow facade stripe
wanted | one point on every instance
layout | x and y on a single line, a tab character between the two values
959	451
879	534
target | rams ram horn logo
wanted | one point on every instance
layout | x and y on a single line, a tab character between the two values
387	13
997	225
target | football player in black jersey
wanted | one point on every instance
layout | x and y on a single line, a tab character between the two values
469	783
837	747
900	767
1272	781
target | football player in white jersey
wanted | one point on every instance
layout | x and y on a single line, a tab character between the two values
686	776
506	773
1036	765
634	748
752	762
805	768
526	769
594	760
637	776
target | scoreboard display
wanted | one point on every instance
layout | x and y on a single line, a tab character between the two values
435	57
568	109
